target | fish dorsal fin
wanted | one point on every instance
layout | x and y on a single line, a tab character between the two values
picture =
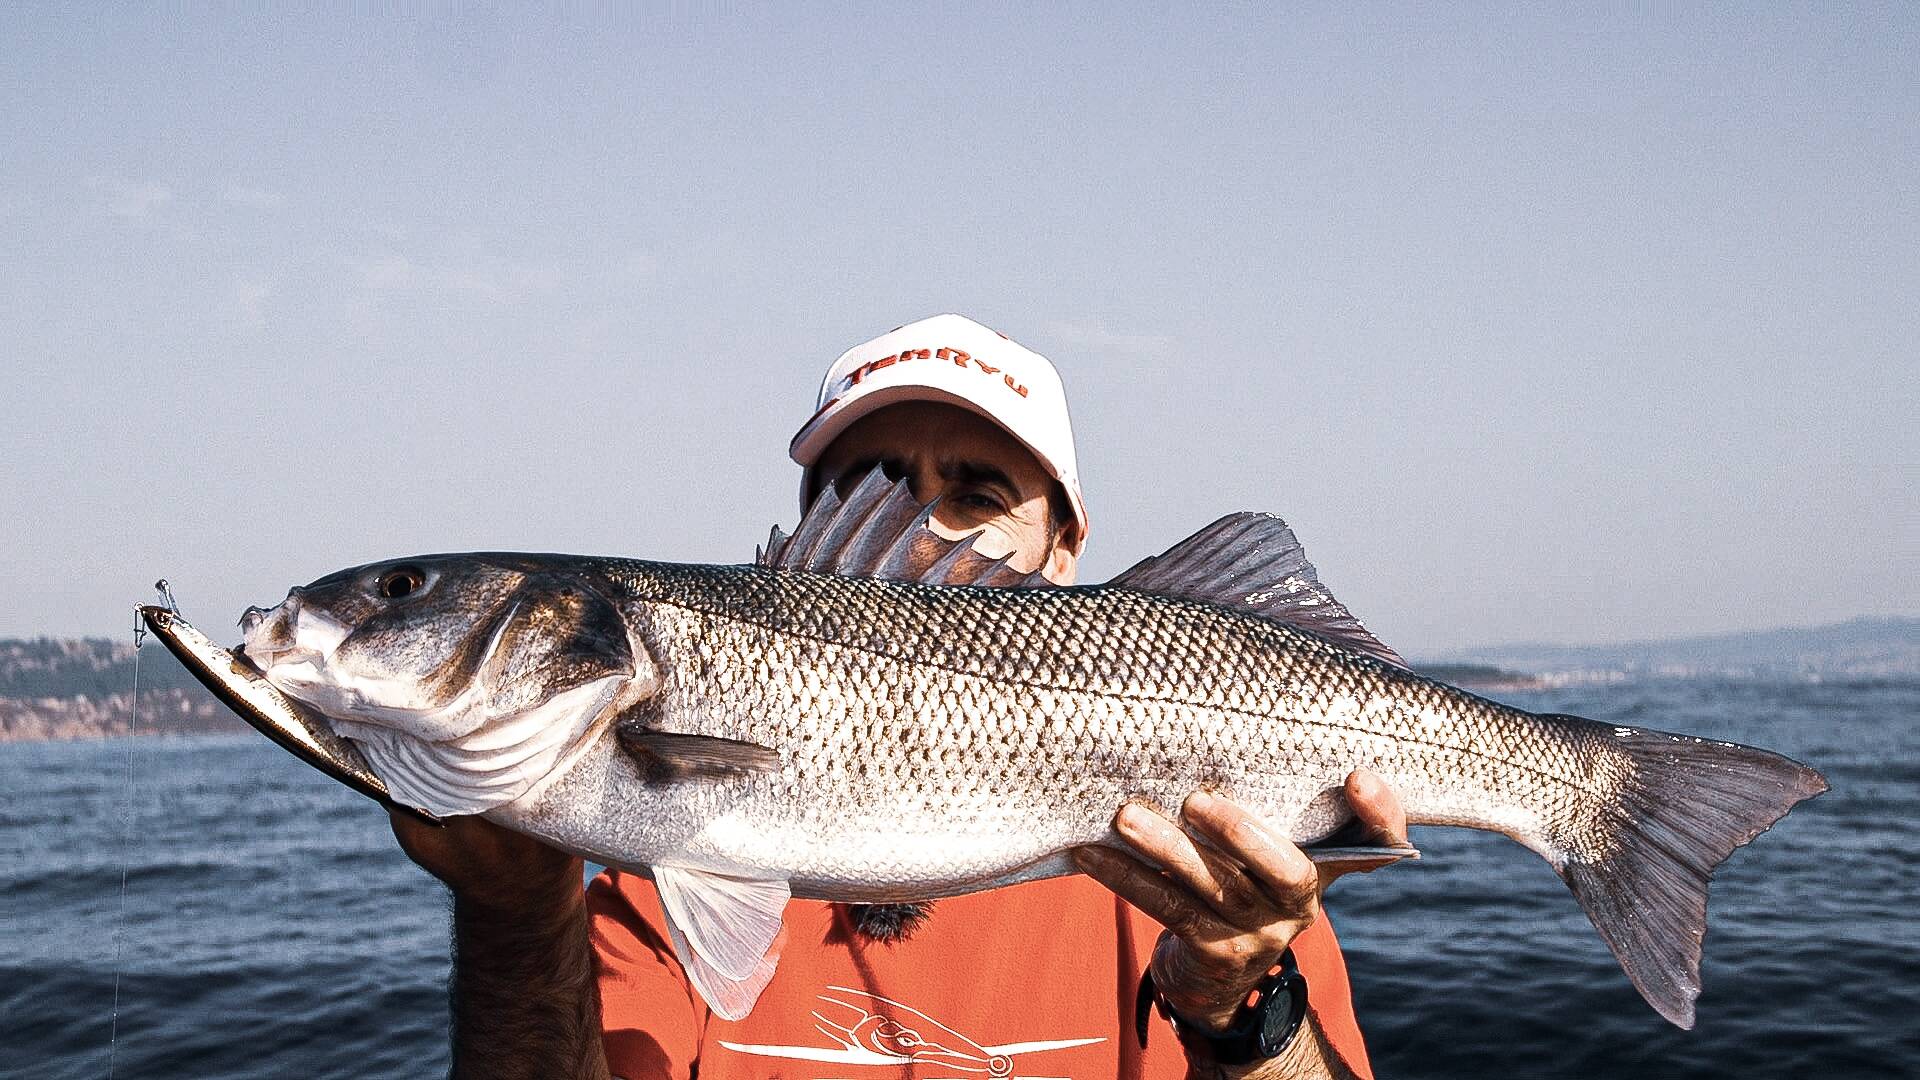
1253	562
726	932
880	530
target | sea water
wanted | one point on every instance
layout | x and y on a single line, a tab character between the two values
270	927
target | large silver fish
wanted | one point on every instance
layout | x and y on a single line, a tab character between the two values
806	727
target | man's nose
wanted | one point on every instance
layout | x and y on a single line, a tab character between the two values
926	483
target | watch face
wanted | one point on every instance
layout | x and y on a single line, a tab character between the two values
1281	1014
1273	1025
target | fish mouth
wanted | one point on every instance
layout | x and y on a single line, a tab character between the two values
268	633
288	635
251	618
236	680
267	656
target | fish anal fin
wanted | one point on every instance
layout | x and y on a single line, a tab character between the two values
1357	857
726	931
1253	563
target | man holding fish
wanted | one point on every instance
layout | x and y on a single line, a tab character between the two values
851	718
1038	978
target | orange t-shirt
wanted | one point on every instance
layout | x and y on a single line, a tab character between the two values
1033	980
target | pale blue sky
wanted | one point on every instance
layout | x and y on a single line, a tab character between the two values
1535	325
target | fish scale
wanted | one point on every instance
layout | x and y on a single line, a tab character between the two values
935	670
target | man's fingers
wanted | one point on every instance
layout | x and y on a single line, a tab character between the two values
1378	821
1244	875
1153	893
1377	808
481	861
1214	878
1287	876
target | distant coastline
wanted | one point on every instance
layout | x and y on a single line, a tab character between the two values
162	712
1866	648
81	688
1484	677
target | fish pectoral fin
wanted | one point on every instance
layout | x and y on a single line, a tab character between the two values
1344	855
726	932
683	754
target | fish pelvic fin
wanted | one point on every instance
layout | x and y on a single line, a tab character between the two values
727	933
1640	863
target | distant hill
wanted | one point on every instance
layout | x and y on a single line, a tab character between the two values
67	688
1484	677
66	667
1865	648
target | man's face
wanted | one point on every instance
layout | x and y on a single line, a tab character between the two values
986	481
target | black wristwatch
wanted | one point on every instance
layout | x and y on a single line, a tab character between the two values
1259	1032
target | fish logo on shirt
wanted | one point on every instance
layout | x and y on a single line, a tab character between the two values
864	1037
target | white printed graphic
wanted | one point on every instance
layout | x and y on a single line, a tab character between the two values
866	1038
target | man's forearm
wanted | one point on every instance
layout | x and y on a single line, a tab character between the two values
525	1004
1308	1057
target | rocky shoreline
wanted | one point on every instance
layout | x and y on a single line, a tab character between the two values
82	688
81	716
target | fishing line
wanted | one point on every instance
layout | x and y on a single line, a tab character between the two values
126	820
126	842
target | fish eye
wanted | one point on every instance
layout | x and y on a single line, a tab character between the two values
400	581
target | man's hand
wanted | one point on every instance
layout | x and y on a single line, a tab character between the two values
1234	904
491	867
524	1002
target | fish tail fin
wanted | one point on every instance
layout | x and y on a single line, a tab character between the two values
1640	862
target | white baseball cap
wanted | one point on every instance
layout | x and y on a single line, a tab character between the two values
952	359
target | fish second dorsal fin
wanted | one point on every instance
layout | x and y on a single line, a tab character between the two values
1254	563
880	530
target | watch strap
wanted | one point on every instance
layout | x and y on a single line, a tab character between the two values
1260	1031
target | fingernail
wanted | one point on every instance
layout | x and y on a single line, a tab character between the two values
1134	818
1201	801
1089	857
